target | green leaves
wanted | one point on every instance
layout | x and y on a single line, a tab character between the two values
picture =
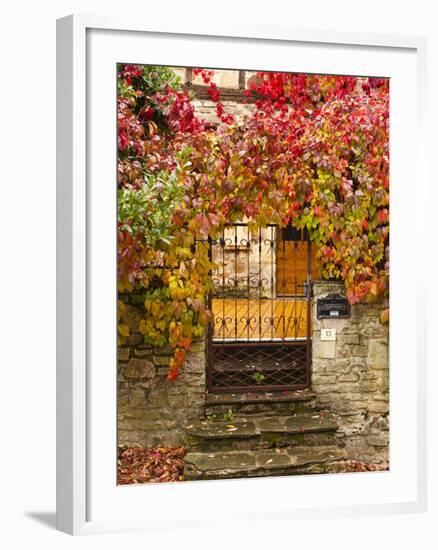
148	211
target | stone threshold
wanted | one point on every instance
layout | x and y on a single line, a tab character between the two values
302	423
264	462
258	397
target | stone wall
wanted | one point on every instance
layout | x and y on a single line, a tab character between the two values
351	376
151	409
248	270
206	109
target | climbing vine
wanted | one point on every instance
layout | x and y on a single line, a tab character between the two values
313	152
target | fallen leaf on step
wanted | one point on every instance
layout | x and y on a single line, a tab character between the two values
269	461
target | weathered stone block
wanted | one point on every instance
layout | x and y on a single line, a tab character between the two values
360	351
323	378
348	377
339	367
135	338
381	397
365	386
197	346
161	360
123	354
158	400
325	399
143	352
383	381
377	331
350	338
326	388
344	350
122	397
350	406
137	398
379	407
195	365
358	366
177	401
378	355
324	365
139	368
380	440
164	350
369	376
324	349
162	371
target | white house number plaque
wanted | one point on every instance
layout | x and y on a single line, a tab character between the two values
328	334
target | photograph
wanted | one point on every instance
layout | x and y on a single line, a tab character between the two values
227	217
252	273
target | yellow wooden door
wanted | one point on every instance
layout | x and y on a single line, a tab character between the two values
292	265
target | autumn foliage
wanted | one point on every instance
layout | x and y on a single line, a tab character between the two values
313	152
156	465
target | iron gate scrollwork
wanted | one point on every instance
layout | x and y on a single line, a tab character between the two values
260	335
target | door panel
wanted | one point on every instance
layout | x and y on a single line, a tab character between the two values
292	264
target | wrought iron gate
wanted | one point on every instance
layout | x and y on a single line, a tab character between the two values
260	337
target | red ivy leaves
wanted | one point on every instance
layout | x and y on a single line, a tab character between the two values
213	91
314	152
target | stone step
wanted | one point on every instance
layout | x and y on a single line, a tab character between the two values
235	404
264	462
262	432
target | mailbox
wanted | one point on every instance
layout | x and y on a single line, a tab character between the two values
333	306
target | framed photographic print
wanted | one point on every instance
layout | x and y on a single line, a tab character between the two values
239	321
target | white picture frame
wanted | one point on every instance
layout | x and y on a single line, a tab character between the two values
77	367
